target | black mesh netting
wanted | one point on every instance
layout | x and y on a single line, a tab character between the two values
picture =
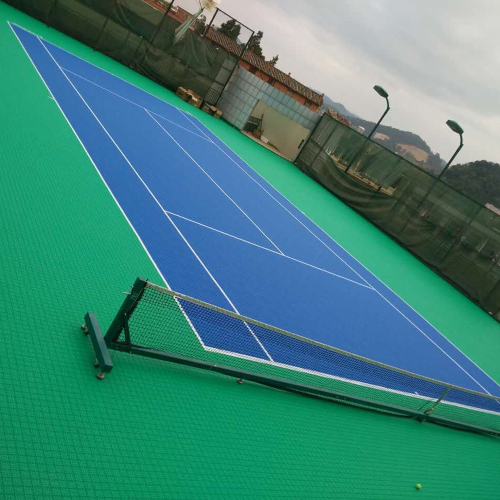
140	37
171	323
454	235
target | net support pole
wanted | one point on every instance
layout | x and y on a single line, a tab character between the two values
121	319
435	405
92	328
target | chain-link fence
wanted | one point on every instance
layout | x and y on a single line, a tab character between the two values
141	37
454	235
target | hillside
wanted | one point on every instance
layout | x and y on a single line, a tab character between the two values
338	107
478	179
407	144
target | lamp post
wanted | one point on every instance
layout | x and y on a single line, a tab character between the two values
459	130
381	92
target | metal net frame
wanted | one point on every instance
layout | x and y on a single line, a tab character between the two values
159	323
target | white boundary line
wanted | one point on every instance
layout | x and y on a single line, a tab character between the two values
213	180
108	188
332	251
91	160
136	104
284	197
267	249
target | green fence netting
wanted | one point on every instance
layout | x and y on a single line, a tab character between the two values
454	235
135	34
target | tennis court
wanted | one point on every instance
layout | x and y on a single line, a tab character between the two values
218	232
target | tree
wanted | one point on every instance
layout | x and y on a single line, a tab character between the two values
254	45
479	179
230	29
274	60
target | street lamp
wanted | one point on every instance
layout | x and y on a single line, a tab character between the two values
459	130
381	92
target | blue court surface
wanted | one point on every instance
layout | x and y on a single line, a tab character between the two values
219	232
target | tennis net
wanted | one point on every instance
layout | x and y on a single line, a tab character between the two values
160	323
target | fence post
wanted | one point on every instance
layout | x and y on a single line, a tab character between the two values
457	238
308	139
50	11
321	148
105	24
210	23
356	155
234	67
157	29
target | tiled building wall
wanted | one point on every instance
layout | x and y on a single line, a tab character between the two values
245	89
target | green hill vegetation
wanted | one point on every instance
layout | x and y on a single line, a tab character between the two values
480	180
398	141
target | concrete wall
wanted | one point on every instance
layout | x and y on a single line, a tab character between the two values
283	133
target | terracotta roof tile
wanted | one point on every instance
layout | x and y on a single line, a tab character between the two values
337	116
265	67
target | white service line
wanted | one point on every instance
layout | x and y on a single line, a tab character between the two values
135	104
267	249
277	201
213	180
334	253
155	199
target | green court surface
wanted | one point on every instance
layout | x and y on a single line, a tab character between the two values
153	430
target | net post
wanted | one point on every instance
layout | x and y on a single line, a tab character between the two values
103	358
121	319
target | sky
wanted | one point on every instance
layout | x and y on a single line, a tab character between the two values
437	59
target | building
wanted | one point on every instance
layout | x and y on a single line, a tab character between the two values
286	109
267	72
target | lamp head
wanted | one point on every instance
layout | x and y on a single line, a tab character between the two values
455	127
380	91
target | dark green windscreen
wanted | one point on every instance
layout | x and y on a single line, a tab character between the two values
454	235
